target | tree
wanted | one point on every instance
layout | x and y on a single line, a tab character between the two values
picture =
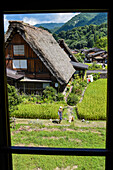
62	34
101	43
50	93
85	36
91	41
13	98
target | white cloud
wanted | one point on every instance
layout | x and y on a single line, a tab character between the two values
64	17
34	19
50	18
31	20
6	24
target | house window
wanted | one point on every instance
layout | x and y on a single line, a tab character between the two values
19	64
18	49
45	85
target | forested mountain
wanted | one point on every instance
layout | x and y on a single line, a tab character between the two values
83	19
51	26
85	36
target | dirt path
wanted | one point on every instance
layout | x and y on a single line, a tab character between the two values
70	112
77	123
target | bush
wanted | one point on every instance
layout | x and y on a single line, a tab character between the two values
13	98
96	76
77	89
94	66
72	99
83	83
34	111
60	97
50	93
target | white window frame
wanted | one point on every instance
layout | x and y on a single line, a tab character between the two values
18	49
19	64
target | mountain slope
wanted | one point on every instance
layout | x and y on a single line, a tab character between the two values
99	19
50	26
83	19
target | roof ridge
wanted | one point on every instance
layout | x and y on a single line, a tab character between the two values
22	23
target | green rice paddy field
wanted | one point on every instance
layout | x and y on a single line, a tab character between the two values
94	104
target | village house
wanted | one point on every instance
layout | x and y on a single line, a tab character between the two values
95	54
35	60
79	67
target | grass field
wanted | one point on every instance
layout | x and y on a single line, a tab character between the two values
93	106
44	134
40	111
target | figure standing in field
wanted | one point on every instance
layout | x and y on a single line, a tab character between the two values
60	114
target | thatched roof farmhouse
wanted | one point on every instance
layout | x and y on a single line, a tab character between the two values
45	50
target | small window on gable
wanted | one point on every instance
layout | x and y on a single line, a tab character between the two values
18	49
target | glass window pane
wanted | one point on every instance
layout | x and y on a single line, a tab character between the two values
18	49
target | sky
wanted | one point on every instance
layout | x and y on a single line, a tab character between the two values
33	19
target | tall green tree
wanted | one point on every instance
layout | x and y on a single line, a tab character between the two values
13	98
101	43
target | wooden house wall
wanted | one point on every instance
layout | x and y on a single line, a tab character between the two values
35	67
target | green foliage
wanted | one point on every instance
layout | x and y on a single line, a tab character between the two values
50	93
41	111
72	99
101	43
94	66
78	86
93	106
59	137
60	97
80	57
96	76
84	19
13	98
77	89
85	36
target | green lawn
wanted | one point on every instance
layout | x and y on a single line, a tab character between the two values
93	106
37	134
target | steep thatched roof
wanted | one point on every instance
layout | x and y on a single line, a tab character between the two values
46	48
67	49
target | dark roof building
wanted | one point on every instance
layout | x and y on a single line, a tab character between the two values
76	64
96	54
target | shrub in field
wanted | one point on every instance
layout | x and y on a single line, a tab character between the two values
50	93
60	97
93	105
94	66
41	111
13	98
83	83
96	76
72	99
77	89
78	86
